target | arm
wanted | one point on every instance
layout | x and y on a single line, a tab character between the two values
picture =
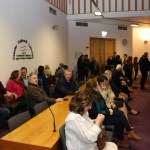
101	107
37	94
83	129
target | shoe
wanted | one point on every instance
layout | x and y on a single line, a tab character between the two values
132	127
134	112
133	136
130	98
123	144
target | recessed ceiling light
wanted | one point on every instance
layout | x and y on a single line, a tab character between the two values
98	13
134	24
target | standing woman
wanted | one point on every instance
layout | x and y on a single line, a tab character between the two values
82	132
136	67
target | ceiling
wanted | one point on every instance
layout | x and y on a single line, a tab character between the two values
143	21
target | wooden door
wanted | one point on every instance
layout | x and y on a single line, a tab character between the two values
101	49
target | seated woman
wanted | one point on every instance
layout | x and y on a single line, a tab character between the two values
120	80
118	94
112	117
4	112
16	86
82	132
109	96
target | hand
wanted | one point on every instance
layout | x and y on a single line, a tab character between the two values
113	105
111	111
99	119
59	100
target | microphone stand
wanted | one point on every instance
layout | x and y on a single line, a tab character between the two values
54	125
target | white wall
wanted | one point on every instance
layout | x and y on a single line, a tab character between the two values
139	36
79	38
30	20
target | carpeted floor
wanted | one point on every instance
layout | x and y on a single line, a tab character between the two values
141	102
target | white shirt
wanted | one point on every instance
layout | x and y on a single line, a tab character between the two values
81	132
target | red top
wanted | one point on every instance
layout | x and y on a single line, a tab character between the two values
16	87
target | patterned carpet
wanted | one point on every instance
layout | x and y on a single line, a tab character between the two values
141	102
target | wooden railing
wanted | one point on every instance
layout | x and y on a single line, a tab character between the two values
60	4
86	6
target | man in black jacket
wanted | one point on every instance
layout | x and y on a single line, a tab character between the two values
66	85
35	94
144	67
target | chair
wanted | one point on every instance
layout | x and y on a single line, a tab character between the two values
18	120
51	90
38	108
63	137
110	127
109	135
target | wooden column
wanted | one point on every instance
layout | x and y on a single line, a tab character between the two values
72	6
109	5
135	4
122	5
85	6
142	4
116	6
103	5
128	5
78	6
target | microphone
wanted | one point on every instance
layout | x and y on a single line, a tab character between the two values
54	124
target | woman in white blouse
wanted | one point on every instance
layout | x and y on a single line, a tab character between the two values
82	132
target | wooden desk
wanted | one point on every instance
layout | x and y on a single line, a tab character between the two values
37	133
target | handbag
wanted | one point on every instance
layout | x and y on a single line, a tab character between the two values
102	139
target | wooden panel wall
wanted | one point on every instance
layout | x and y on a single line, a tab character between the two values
60	4
105	6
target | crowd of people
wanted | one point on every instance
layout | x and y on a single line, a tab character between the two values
104	101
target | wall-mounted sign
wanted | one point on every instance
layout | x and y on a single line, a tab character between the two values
22	50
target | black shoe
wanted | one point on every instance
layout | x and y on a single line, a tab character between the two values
130	98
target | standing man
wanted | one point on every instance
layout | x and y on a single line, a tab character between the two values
66	85
24	76
144	68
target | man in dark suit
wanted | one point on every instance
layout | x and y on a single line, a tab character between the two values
66	85
144	67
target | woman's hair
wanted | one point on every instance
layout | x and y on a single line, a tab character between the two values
14	75
91	83
80	101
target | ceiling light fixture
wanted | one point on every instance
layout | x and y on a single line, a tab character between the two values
98	13
134	24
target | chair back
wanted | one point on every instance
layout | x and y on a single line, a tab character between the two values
38	108
51	90
18	120
63	137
